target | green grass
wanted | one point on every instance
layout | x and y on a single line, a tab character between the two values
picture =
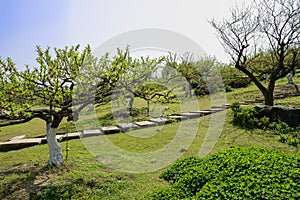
24	173
35	127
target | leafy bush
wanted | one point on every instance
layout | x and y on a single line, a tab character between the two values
243	117
200	92
238	82
286	134
228	88
237	173
246	118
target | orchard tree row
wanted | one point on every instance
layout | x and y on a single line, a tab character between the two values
65	83
262	39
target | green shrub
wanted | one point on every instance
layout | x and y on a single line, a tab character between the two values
199	92
286	133
228	88
237	173
281	128
293	141
238	82
246	118
243	117
263	122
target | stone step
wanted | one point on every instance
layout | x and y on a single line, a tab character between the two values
128	127
92	132
227	105
110	130
219	107
178	117
190	115
203	112
19	144
146	124
70	136
17	137
160	121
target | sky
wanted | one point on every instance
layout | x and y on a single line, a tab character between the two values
60	23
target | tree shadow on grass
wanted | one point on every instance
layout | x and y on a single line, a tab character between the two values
24	181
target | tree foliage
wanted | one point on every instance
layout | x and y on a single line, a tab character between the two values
135	77
45	92
200	73
50	86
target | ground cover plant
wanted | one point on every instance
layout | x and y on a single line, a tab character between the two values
236	173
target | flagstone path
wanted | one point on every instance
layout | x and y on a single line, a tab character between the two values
21	142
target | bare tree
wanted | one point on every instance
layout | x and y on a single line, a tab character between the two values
263	38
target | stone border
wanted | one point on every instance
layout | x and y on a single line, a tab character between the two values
23	143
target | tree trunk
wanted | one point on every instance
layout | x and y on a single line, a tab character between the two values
269	99
131	100
56	157
269	94
148	108
187	89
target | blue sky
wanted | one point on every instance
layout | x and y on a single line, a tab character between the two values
57	23
27	23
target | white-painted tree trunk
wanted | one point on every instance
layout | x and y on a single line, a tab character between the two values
131	99
56	157
187	89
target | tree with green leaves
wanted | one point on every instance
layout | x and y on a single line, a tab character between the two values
46	92
196	72
263	38
136	77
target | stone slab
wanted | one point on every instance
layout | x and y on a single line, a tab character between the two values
128	127
178	117
92	132
190	114
160	120
70	136
146	124
203	112
17	137
110	130
219	107
19	144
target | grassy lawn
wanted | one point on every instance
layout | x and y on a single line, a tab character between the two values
24	173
